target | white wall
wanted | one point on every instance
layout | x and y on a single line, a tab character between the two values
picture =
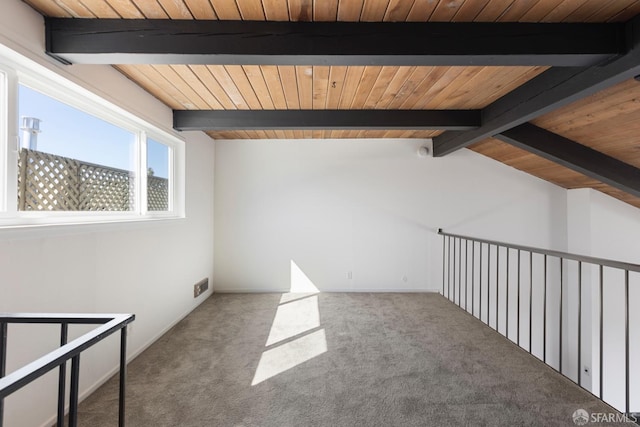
369	207
144	268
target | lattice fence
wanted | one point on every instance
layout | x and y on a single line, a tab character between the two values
157	193
47	182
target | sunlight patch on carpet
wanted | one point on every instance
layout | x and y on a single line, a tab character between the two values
293	319
294	337
289	355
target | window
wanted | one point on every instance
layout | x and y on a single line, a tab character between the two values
67	155
70	160
158	167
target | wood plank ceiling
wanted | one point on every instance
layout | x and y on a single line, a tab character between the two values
608	121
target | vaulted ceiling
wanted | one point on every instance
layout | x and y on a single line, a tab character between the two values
603	114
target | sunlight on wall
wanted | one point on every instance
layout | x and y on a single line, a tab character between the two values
294	337
299	281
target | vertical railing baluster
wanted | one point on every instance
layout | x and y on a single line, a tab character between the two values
466	275
123	376
473	277
444	239
488	284
580	323
530	302
73	397
601	374
627	385
449	275
454	270
560	318
3	362
506	303
497	287
518	303
460	273
62	377
544	313
480	280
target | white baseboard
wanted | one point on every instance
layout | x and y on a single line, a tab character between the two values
337	290
87	392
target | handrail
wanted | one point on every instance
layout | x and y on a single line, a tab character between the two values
80	318
110	323
559	254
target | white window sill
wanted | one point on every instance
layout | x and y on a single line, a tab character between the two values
63	223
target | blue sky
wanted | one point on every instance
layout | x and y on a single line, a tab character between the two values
72	133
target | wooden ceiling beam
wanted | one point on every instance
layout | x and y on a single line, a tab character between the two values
549	91
216	120
153	41
574	156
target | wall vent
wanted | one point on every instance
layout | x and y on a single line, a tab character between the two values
200	287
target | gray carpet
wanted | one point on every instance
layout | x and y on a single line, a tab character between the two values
337	360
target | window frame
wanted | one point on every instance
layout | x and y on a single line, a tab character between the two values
19	70
171	173
3	136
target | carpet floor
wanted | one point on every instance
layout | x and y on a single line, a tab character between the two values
336	360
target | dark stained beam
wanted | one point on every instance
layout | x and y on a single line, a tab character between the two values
574	156
547	92
208	120
149	41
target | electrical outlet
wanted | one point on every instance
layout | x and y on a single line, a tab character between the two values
200	287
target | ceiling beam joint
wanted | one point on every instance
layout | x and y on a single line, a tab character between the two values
547	92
